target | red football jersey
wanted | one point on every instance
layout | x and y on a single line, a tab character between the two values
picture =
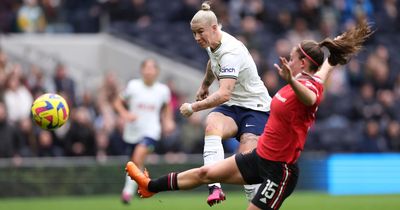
285	133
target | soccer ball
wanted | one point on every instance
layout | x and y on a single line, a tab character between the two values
50	111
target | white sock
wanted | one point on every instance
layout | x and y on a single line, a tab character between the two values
130	186
251	190
213	152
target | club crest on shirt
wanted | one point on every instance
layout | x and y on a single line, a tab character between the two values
280	98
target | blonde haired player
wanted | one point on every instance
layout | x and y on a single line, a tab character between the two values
241	102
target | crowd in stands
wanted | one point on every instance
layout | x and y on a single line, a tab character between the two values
359	113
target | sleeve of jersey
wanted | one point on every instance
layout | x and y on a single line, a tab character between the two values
230	66
315	87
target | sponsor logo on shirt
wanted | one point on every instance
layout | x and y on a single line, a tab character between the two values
279	97
146	107
227	70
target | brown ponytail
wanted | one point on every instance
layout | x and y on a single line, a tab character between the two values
341	49
349	43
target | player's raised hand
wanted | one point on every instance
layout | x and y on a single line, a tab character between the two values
284	70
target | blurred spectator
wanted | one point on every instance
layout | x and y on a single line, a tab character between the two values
365	105
255	8
83	16
329	23
396	88
354	10
281	22
7	16
373	140
308	10
238	9
337	83
64	84
282	48
53	13
185	11
258	60
28	147
46	146
5	66
102	143
222	12
87	101
377	68
106	94
17	98
139	13
355	75
9	141
115	10
392	134
30	17
251	30
388	17
300	31
80	138
116	145
387	100
106	120
38	83
128	11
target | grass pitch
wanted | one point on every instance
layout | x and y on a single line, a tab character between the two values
196	201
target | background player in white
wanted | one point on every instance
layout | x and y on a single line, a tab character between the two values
242	101
149	114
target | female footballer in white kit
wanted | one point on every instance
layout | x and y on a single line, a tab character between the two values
149	113
241	103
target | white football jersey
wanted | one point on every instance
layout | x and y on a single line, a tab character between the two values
146	102
233	60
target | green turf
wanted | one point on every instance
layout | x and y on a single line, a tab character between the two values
194	201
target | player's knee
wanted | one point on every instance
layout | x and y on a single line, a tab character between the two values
211	128
213	124
203	174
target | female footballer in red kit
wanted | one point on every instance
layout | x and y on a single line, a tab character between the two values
293	109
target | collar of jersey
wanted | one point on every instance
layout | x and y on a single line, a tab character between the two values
308	75
219	45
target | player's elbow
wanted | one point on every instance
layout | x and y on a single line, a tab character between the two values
309	101
225	96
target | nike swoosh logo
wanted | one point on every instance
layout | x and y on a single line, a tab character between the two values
247	125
